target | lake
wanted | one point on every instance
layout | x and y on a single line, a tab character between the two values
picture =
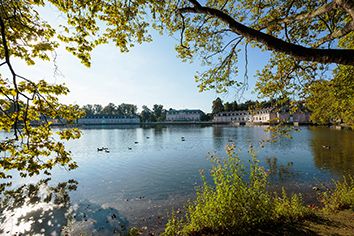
150	170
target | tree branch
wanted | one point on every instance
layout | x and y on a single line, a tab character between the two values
338	56
307	15
7	60
336	34
226	45
299	17
347	5
182	31
195	3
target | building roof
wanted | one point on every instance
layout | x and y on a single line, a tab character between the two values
109	117
248	112
186	110
227	112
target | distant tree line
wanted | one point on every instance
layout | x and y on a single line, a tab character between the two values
157	113
111	109
219	106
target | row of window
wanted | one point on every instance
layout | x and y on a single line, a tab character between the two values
242	113
233	114
182	119
261	118
239	118
248	118
182	112
108	117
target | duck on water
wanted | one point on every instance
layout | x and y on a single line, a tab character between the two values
102	149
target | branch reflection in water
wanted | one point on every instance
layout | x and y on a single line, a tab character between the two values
279	172
41	209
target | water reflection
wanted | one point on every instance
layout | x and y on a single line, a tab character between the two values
218	135
279	172
161	171
88	218
41	209
128	126
158	130
333	150
36	208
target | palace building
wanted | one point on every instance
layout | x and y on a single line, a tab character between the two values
261	116
108	119
184	115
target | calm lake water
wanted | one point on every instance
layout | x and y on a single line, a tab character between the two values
149	171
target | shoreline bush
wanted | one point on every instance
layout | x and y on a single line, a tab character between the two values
237	202
341	197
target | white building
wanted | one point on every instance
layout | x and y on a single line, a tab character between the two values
266	115
233	116
184	115
261	116
108	119
300	117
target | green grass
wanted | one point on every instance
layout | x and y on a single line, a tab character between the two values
237	202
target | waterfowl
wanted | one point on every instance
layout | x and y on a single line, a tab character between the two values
136	142
129	148
326	147
315	188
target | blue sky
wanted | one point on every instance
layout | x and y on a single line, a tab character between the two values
149	74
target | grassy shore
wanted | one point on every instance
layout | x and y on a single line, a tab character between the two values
238	203
339	223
